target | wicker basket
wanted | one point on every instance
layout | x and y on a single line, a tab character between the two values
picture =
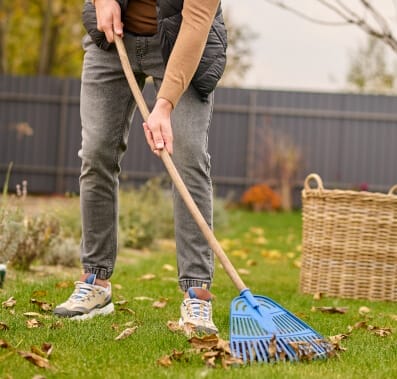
349	246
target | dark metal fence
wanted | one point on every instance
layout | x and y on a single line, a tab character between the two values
350	140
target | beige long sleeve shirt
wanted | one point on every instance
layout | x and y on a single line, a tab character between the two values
197	18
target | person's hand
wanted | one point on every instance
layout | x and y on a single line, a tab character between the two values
108	14
158	130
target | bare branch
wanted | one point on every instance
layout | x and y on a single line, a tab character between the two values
295	11
381	30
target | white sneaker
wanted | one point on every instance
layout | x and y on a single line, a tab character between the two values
86	301
197	313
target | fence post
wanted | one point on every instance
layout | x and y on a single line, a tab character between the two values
251	129
63	120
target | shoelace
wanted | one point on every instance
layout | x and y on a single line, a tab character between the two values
198	309
82	293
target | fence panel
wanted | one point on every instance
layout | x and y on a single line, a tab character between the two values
350	140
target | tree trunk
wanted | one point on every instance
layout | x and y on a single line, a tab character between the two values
3	28
45	51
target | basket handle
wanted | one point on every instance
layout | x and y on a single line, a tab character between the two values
316	178
393	190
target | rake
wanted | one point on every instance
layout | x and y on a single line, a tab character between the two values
260	329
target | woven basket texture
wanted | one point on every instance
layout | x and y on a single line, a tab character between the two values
349	242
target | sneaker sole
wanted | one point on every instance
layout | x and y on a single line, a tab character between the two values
95	312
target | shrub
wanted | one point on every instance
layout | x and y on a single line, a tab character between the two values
261	197
63	252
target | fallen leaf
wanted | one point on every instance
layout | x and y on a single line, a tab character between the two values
381	332
239	253
210	362
121	302
317	296
10	303
297	263
243	271
127	310
33	323
161	303
117	286
304	350
174	326
363	310
42	305
251	262
47	348
165	361
4	326
147	277
35	359
272	349
57	325
393	317
65	284
336	340
4	344
126	333
168	267
341	310
206	342
142	298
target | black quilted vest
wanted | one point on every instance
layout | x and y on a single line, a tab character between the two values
213	60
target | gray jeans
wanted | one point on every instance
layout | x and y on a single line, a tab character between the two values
107	108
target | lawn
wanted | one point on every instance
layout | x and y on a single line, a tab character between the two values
265	248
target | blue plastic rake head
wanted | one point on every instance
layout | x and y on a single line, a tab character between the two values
262	330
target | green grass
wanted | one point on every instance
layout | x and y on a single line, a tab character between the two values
89	349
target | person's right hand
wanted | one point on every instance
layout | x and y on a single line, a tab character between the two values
108	14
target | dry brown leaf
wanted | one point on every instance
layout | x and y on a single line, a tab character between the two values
303	350
9	303
317	296
251	262
210	362
117	286
359	325
393	317
205	342
57	325
174	326
128	310
35	349
364	310
147	277
47	348
142	298
228	361
297	263
4	326
176	355
4	344
39	377
126	333
168	267
223	346
33	323
336	340
35	359
42	305
160	303
381	332
165	361
243	271
272	350
65	284
341	310
121	302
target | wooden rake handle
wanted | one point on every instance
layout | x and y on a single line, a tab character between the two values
176	179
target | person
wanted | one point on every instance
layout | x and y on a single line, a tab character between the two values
182	46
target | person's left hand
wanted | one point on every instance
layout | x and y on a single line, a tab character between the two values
158	130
